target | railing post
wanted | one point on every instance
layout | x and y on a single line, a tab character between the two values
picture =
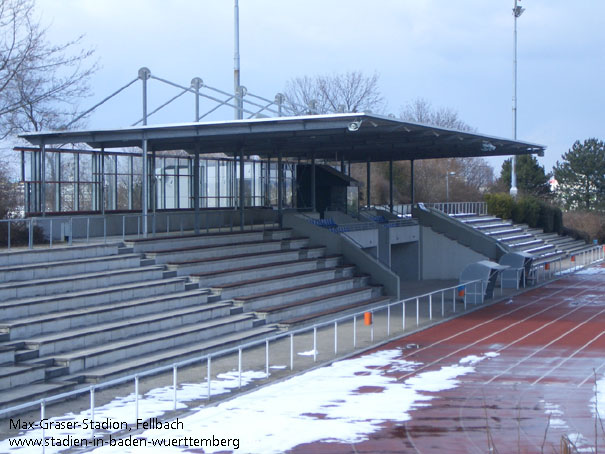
314	343
431	306
71	231
465	292
43	416
267	357
208	370
454	300
8	243
291	351
136	398
417	311
92	408
403	315
389	320
174	385
335	337
51	233
87	229
372	327
30	241
442	303
354	331
239	366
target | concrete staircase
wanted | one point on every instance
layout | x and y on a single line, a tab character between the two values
520	237
70	315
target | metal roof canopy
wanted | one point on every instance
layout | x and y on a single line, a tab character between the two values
354	137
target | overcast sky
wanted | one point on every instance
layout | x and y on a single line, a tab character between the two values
456	54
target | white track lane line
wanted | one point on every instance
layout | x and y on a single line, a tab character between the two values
592	375
543	347
569	357
432	363
498	317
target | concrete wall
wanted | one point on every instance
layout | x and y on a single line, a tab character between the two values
405	260
336	244
442	258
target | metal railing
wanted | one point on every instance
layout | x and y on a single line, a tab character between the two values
458	294
62	229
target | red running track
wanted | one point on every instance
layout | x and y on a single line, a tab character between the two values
551	342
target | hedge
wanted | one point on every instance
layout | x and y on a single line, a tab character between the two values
529	210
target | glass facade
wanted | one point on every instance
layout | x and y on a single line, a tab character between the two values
99	181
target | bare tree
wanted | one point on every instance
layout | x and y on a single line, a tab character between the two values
347	92
40	83
422	111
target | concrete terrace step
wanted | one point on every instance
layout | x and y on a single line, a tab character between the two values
223	263
135	347
501	232
213	251
507	239
16	376
79	282
334	312
7	355
540	249
104	333
55	254
217	278
281	281
25	307
476	220
309	306
169	356
282	296
526	244
22	394
46	270
204	239
24	327
492	226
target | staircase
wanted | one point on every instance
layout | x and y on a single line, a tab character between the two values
522	238
78	314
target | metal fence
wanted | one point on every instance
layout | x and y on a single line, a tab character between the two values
61	229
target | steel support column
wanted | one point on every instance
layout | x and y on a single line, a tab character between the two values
412	181
368	182
280	192
241	188
391	185
196	188
43	178
313	204
145	187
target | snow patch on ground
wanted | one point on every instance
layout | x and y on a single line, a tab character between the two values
592	270
344	402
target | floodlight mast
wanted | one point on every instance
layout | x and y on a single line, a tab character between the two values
238	101
517	11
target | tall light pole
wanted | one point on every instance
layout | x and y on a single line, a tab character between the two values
447	186
517	11
236	79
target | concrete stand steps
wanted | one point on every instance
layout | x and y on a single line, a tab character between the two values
78	282
331	312
47	270
58	253
26	327
237	260
255	302
135	347
22	394
281	281
170	356
149	245
101	334
217	278
213	251
310	306
14	309
15	376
